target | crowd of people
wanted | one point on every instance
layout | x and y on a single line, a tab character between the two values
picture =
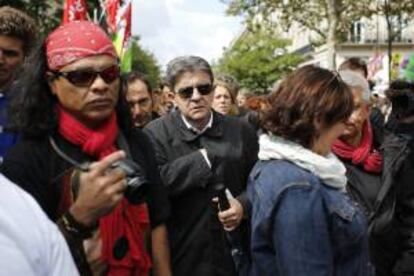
104	174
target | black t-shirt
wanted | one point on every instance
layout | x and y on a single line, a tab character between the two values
37	168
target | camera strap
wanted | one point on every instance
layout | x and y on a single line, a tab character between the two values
81	166
120	141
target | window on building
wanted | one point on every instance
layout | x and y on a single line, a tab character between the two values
356	32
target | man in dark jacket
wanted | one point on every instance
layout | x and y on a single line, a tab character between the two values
196	149
392	223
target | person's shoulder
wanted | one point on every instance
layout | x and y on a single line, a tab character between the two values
160	122
252	118
391	141
27	148
273	179
140	137
13	197
284	173
163	127
22	212
233	122
30	242
27	162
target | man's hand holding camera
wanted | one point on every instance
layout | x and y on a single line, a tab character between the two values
100	190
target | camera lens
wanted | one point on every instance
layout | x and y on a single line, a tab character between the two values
137	184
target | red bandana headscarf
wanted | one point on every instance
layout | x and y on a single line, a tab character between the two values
76	40
364	154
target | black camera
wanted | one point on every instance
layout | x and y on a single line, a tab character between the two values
137	183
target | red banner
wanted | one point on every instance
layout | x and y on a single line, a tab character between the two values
74	10
112	7
127	17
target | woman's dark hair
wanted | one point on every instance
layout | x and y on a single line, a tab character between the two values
32	106
309	100
401	95
32	110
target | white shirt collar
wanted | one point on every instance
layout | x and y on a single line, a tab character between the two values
190	127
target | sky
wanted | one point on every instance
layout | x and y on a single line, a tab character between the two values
170	28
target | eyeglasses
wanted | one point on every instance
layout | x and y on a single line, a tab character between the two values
84	78
187	92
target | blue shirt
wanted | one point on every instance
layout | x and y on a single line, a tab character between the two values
7	139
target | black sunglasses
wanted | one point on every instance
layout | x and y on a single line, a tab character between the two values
187	92
85	78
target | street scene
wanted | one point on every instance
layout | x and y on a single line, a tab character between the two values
207	138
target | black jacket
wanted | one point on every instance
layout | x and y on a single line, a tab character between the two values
198	245
391	218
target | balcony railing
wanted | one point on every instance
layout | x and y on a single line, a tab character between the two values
372	37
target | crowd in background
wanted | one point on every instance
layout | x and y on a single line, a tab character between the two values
103	174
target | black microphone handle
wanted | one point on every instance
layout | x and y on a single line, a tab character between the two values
222	197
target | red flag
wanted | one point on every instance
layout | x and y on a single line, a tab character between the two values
112	7
74	10
127	17
122	37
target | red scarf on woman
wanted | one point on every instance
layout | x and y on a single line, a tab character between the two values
126	220
364	154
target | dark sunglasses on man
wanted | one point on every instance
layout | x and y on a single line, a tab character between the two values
85	77
187	92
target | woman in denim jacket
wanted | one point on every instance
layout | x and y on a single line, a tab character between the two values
302	221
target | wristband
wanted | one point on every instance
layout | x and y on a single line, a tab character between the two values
74	227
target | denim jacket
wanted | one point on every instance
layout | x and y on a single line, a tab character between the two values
301	226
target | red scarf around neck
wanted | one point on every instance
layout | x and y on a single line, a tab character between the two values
126	220
364	154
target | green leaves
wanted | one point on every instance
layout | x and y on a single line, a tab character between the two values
257	60
47	13
145	62
314	14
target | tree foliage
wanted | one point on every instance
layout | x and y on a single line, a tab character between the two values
257	60
330	19
312	14
145	62
47	13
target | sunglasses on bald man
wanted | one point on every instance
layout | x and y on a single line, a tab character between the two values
85	77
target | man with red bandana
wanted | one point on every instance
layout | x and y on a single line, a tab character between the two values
76	129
